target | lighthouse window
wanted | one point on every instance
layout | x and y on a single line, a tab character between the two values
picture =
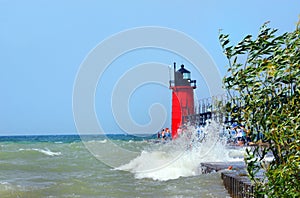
186	75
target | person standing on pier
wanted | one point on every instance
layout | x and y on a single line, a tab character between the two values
233	133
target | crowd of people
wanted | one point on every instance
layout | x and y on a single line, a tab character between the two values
238	135
164	134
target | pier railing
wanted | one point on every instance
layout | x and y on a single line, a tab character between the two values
210	108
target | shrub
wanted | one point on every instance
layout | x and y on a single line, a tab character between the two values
263	83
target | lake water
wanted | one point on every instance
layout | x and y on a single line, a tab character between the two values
109	166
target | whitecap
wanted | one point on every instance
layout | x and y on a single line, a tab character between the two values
103	141
5	186
45	151
97	141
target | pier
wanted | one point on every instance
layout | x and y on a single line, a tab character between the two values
234	177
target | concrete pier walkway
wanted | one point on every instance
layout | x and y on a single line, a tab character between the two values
234	177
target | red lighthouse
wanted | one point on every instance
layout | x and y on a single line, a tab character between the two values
182	97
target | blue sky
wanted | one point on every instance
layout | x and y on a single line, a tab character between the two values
43	43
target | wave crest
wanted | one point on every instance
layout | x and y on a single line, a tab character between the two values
45	151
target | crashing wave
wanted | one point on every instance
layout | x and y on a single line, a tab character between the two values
181	157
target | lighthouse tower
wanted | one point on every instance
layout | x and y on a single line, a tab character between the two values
182	97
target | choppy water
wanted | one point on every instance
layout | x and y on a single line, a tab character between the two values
63	166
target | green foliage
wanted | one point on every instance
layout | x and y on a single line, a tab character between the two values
263	83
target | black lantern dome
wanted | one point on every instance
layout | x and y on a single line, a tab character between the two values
185	73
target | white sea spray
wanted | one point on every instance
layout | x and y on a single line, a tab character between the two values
181	157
